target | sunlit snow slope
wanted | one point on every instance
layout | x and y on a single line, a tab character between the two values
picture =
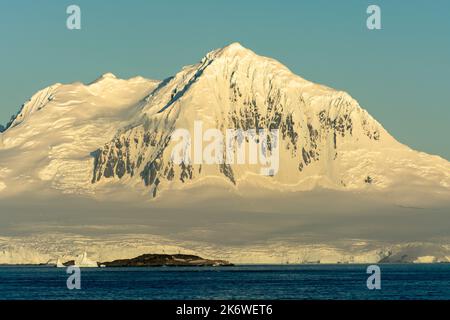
51	140
78	138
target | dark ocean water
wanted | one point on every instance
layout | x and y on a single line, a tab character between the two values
429	281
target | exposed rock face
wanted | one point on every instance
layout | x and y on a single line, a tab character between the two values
158	260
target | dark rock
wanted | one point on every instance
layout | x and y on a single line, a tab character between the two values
306	157
158	260
226	170
368	180
69	263
186	172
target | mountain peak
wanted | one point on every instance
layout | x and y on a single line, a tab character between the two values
105	76
231	50
109	75
234	49
235	46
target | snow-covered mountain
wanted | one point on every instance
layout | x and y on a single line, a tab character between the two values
114	136
80	137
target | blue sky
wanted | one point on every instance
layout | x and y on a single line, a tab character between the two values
400	74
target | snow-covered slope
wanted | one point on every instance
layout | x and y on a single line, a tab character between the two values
51	141
111	140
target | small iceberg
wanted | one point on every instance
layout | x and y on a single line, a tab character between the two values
59	264
82	261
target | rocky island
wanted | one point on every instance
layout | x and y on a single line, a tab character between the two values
159	260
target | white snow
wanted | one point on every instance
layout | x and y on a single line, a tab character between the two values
52	139
426	259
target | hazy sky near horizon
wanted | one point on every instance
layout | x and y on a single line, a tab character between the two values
400	74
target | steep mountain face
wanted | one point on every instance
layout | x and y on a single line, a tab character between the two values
82	139
326	138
